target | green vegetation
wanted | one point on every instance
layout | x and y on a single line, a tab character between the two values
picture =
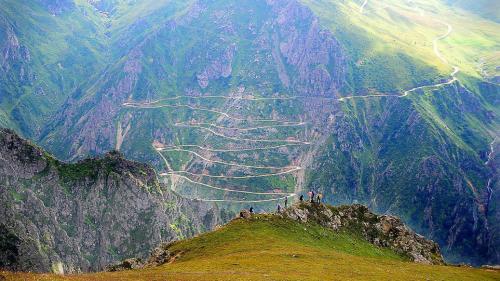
268	247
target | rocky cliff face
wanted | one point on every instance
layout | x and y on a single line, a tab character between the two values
381	230
80	217
257	43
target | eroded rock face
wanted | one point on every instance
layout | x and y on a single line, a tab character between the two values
283	43
160	255
81	217
127	264
384	231
14	56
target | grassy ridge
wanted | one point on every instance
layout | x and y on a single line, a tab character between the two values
267	247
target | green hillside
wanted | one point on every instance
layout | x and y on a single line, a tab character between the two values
268	247
393	104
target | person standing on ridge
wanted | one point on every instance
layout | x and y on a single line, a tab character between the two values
310	194
279	208
320	196
286	202
251	210
312	197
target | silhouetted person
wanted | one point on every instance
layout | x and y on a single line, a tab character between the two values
301	198
279	208
251	210
312	196
286	202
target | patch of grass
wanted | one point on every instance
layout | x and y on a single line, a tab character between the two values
268	247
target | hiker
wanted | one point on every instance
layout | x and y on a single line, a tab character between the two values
286	202
251	210
301	198
279	208
309	194
320	196
312	197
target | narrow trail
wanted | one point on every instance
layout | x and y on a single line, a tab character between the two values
245	201
221	97
176	175
241	129
227	163
244	139
226	115
234	190
362	7
173	179
235	150
294	169
435	41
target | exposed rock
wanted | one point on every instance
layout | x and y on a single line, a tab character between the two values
315	53
79	217
245	214
492	267
160	255
220	66
14	56
127	264
383	231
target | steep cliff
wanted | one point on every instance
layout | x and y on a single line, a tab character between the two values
80	217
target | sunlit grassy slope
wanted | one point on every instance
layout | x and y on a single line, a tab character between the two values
392	41
267	247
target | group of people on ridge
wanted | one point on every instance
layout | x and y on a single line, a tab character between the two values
313	198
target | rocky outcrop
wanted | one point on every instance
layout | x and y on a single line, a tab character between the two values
14	56
312	51
160	255
80	217
381	230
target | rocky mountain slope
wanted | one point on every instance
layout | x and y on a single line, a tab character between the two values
350	244
382	231
245	102
79	217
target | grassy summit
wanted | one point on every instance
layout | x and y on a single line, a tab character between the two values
268	247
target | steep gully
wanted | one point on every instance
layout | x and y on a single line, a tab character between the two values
281	170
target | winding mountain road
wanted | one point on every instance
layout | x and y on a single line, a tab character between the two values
243	139
288	142
293	169
227	163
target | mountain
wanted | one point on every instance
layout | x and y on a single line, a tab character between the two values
391	104
487	8
282	247
79	217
